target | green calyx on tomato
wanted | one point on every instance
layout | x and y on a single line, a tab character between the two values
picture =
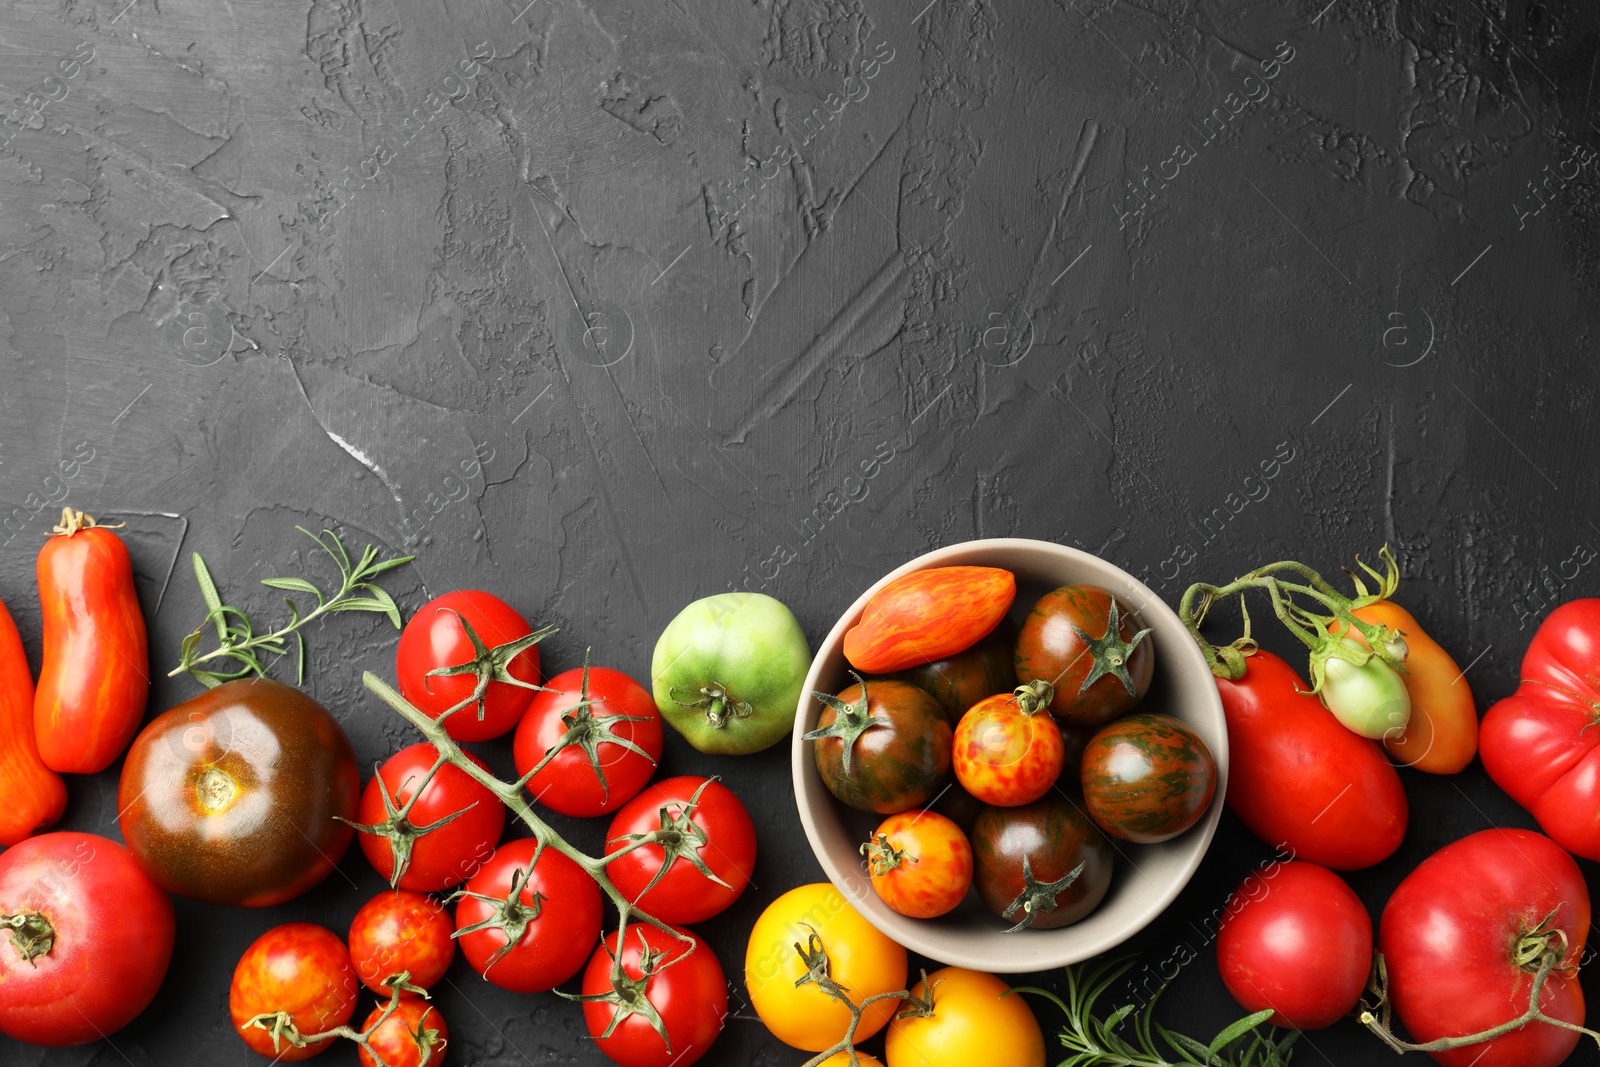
678	837
488	665
882	856
1110	653
851	720
31	934
727	672
587	731
1038	897
397	827
1037	694
628	994
508	914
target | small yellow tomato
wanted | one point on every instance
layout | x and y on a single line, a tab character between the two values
972	1023
860	959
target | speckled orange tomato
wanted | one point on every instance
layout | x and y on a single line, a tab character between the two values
1007	749
920	863
414	1036
399	930
301	969
1147	778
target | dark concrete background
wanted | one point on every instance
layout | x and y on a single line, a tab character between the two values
1033	258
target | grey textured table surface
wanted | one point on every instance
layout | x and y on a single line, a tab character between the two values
604	306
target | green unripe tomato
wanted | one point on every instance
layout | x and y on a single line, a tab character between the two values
727	672
1370	698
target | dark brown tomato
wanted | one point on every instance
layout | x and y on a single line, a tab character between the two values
236	796
1147	778
957	682
1064	641
1074	739
1054	838
882	746
958	805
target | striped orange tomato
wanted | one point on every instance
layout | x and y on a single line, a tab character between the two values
927	615
1008	749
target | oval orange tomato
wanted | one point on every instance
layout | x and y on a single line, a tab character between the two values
927	615
1442	734
920	863
35	795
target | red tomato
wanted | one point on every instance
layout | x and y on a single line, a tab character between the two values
414	1036
35	795
448	833
1295	938
469	647
680	983
95	677
536	938
112	931
302	970
401	931
709	837
927	615
1300	780
595	737
920	863
1008	749
1453	930
1540	744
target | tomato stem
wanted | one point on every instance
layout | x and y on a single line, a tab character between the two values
32	934
280	1025
819	973
586	730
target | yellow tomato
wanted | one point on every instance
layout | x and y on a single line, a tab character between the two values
971	1024
842	1059
860	958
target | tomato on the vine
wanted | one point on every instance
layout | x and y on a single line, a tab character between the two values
1298	940
1147	778
656	1000
527	920
449	831
881	746
301	971
1007	749
591	741
89	936
972	1020
469	650
1042	865
920	863
398	930
1088	645
414	1035
700	850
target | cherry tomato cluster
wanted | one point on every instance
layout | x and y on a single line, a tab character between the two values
1037	724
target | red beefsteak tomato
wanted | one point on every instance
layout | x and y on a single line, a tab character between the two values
1465	933
1541	744
1300	780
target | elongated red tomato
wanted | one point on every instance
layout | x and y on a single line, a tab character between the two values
1300	780
34	795
927	615
1540	744
1466	932
95	677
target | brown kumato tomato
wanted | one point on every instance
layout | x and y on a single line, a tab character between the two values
1090	647
236	796
957	682
1147	778
1042	865
882	746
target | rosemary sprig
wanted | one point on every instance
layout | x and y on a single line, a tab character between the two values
1091	1041
236	636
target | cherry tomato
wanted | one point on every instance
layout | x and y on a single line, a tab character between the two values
302	970
95	676
699	832
920	863
662	978
96	938
537	937
448	833
1007	749
35	795
881	746
595	739
860	958
415	1035
1295	938
1464	935
238	795
927	615
396	931
1043	865
973	1021
1089	646
1147	778
470	649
